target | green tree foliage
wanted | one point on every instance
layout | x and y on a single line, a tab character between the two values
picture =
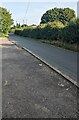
6	20
18	25
71	32
58	14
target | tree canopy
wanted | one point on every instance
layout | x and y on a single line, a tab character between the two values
5	19
63	15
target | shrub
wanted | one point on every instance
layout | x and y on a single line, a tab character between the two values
70	33
53	31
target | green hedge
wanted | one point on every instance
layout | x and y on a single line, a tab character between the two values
53	31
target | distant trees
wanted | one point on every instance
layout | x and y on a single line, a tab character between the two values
18	25
6	20
58	14
24	25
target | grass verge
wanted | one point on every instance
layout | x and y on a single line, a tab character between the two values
69	46
3	35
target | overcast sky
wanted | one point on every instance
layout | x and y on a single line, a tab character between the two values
31	11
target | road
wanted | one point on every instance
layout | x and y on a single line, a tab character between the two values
0	81
61	59
30	89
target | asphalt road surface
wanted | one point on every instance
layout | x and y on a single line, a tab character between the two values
0	82
61	59
30	89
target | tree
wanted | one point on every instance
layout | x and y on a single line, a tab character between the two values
58	14
6	20
24	25
18	25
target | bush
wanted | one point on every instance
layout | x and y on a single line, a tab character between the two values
12	30
70	33
53	31
3	35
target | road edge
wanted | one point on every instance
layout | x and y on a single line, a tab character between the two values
50	66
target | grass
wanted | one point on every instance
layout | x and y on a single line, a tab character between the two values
69	46
3	35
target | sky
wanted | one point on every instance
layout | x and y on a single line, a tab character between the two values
30	11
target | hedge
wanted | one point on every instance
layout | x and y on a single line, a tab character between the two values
53	31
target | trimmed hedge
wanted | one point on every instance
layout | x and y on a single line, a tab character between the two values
53	31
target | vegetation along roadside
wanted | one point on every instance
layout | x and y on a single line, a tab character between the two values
58	26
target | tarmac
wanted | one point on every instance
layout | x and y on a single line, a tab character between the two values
30	89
